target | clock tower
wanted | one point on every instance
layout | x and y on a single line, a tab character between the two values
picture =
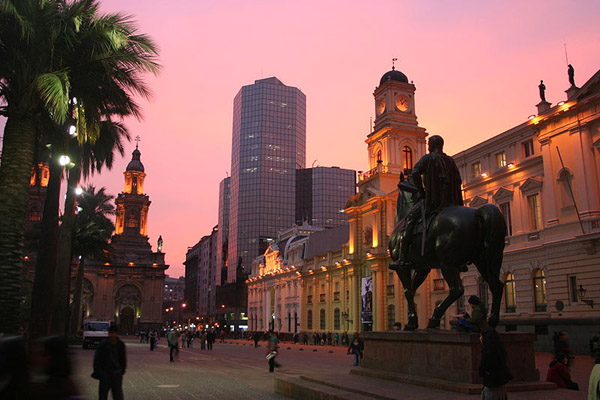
397	141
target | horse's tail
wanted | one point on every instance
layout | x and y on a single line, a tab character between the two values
493	232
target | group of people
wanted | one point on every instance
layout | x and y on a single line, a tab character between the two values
206	337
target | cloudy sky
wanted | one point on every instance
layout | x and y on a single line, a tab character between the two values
476	66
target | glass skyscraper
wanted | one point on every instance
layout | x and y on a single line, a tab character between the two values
269	144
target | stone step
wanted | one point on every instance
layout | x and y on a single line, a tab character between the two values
302	388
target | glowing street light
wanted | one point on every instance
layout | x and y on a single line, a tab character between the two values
64	160
78	191
72	130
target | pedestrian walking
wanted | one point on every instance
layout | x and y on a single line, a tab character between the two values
356	348
173	344
492	367
110	363
256	337
561	346
190	339
152	336
272	351
222	336
183	336
305	339
211	336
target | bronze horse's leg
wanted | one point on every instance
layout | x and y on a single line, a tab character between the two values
492	266
452	277
411	284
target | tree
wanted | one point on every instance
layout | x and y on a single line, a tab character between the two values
30	83
92	230
51	51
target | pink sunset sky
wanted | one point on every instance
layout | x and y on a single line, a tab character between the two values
476	65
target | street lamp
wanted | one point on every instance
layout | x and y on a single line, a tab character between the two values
581	292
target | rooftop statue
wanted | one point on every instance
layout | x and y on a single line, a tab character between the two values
434	230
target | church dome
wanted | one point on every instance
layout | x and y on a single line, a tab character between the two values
135	164
393	75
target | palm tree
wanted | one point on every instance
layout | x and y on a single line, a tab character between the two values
107	64
30	83
92	230
50	52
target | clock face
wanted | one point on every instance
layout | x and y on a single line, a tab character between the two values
380	106
402	103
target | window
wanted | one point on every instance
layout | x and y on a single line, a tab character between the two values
510	296
309	299
322	319
539	290
528	148
500	159
476	169
379	156
309	319
322	298
505	210
407	161
391	316
336	319
35	214
336	296
573	289
390	290
535	212
565	179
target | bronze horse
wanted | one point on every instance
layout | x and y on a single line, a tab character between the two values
456	236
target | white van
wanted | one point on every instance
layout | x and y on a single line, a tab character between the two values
94	332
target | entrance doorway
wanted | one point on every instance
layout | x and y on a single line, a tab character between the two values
127	316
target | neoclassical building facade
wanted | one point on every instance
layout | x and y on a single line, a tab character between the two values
544	174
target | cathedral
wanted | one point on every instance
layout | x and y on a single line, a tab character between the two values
128	290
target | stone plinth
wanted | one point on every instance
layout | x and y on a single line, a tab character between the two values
445	355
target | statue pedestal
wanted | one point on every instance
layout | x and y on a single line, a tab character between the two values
571	91
450	358
543	106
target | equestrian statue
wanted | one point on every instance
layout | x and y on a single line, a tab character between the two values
434	230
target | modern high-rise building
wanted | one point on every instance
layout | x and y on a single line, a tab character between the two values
321	195
269	144
222	234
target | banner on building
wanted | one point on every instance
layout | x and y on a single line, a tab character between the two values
366	292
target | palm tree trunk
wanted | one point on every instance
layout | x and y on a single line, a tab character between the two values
75	322
42	297
15	173
63	266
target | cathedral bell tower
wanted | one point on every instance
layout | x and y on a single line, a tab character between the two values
397	141
132	206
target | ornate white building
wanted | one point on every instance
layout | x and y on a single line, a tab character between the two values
544	174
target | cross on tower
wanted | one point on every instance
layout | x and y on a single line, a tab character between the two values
393	62
138	139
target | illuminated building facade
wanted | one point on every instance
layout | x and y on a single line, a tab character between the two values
544	175
274	285
200	269
269	144
222	243
129	289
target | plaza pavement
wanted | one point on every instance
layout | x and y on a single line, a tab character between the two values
236	370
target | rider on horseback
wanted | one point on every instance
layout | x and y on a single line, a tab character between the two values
442	189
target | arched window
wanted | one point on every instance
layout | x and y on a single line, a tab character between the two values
336	319
510	294
539	290
322	319
309	319
407	161
391	316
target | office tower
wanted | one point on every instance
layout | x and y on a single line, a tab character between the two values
322	194
269	144
222	234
